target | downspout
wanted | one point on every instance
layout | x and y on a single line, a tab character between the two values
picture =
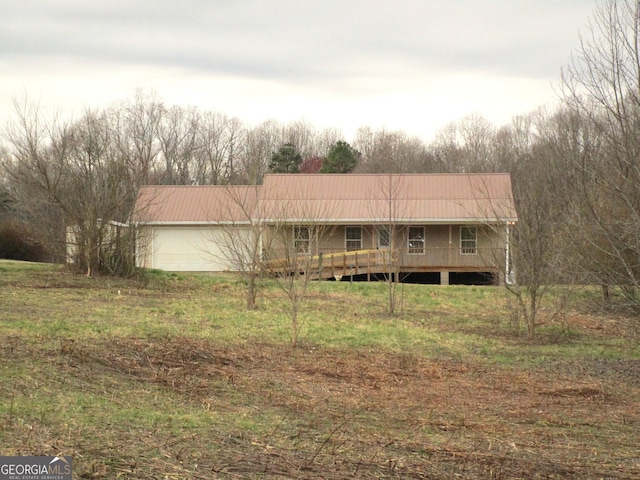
136	245
260	244
507	264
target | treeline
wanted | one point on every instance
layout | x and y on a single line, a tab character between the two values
86	171
575	169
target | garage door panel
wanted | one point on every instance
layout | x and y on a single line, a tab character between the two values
192	249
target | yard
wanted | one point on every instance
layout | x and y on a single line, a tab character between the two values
169	377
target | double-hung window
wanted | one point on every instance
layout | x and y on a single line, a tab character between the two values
353	238
416	240
468	240
302	239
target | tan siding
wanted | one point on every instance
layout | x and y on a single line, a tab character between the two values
437	236
334	242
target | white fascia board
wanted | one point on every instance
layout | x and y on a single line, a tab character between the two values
196	223
333	221
375	221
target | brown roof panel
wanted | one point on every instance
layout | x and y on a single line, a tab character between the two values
196	204
373	198
361	198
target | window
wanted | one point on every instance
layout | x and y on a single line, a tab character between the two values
301	239
468	240
416	240
383	237
353	238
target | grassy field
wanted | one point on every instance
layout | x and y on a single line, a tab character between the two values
169	377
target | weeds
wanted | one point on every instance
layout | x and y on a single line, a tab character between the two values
175	379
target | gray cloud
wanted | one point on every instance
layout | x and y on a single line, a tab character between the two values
335	49
288	38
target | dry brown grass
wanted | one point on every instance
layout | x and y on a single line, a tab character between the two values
332	414
182	407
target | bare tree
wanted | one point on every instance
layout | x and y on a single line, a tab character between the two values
324	140
67	175
477	135
34	151
535	260
135	124
395	151
242	236
512	143
302	135
177	134
296	229
386	210
257	145
602	85
535	245
466	145
218	140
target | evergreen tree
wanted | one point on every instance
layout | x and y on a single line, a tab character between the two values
342	158
286	160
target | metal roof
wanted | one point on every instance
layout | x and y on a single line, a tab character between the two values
340	198
372	198
171	204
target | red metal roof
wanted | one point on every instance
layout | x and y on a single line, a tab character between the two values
172	204
352	198
371	198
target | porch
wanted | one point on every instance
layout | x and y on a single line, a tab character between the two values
372	263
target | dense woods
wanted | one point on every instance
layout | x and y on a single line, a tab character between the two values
575	168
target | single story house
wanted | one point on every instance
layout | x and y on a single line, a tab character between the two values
439	224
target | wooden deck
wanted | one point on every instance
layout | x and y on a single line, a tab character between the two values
331	265
371	262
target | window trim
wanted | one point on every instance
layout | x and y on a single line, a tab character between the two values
468	249
421	238
347	239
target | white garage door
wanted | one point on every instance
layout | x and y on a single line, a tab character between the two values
189	249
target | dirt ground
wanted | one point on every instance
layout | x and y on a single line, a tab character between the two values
178	407
353	414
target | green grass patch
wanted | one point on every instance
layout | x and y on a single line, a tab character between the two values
168	375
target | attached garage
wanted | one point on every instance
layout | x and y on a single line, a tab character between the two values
194	229
189	249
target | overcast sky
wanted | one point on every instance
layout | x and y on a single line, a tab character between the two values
413	65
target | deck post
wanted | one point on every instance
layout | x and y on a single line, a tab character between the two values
355	261
444	278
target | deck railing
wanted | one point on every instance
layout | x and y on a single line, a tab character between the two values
330	262
338	264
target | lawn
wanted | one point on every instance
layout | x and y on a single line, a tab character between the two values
168	376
